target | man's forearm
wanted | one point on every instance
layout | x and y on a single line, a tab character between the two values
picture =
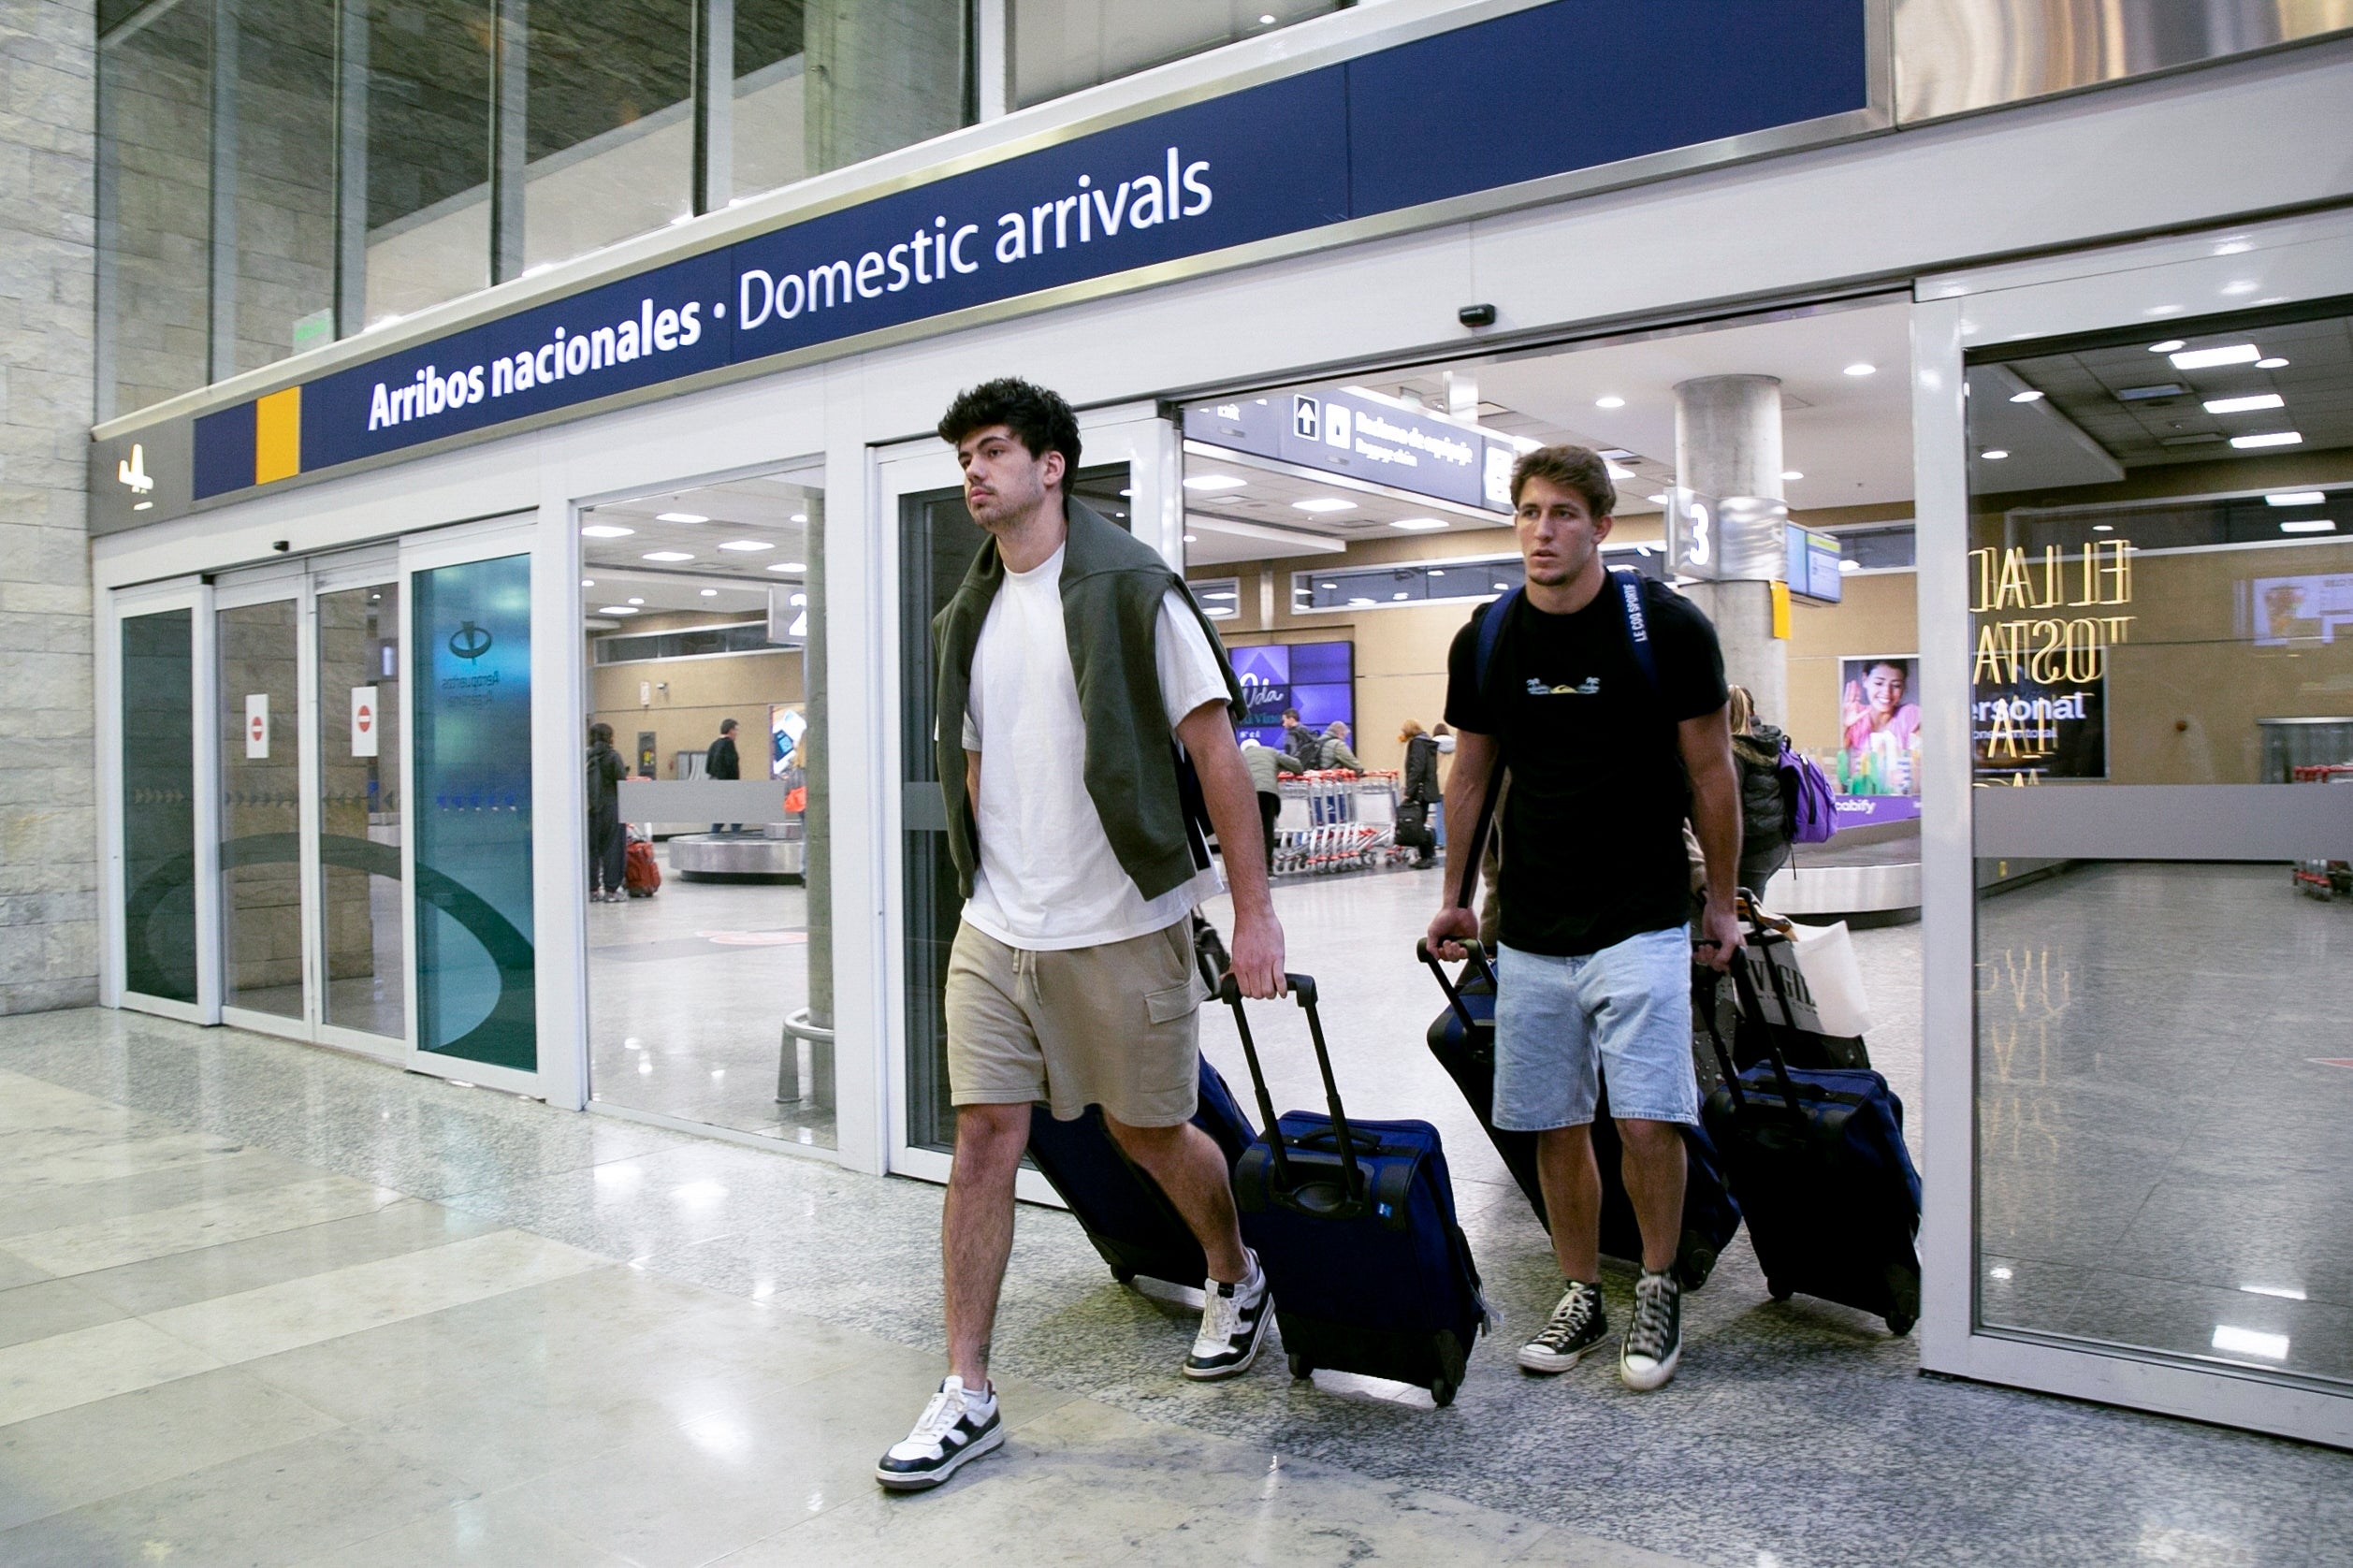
1233	811
1715	817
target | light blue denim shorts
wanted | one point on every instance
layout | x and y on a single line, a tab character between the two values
1561	1023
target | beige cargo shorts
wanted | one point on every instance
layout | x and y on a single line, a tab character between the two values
1115	1025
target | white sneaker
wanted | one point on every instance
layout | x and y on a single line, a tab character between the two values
1234	1319
955	1427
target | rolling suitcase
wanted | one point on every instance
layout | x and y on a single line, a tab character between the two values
1818	1163
1123	1212
1354	1222
1463	1038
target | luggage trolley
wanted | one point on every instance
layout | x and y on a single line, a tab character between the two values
2323	880
1334	821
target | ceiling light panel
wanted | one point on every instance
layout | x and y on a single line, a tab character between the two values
1418	524
668	556
1214	482
2309	525
680	517
747	544
1323	504
2207	359
2246	405
2296	498
606	530
2270	438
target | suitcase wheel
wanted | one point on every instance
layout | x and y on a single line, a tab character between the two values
1124	1276
1899	1324
1692	1269
1443	1391
1301	1366
1778	1292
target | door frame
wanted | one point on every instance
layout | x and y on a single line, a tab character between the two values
277	583
195	595
2142	285
1150	445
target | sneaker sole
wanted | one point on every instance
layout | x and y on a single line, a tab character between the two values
1249	1357
1657	1378
1547	1363
899	1481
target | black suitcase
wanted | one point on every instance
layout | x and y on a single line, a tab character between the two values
1121	1208
1354	1222
1818	1163
1463	1038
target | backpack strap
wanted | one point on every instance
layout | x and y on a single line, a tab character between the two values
1629	584
1491	633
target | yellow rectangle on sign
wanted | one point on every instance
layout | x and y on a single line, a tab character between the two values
1780	609
278	436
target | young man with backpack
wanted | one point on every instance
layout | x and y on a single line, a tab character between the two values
1602	694
1080	693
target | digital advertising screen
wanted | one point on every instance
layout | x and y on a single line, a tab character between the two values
1316	678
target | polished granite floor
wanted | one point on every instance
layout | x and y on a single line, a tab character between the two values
260	1303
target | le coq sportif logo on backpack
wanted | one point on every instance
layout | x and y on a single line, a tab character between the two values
469	642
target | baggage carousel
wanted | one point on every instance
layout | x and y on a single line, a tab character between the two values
1865	874
747	855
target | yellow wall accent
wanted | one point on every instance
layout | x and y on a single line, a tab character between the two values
278	436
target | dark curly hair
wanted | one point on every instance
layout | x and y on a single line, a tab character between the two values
1039	419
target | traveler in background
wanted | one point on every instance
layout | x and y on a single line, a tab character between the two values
1444	737
1605	760
1305	746
1765	826
607	841
1336	752
1421	784
1267	766
1072	664
722	761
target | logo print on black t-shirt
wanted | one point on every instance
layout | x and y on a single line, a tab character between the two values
1589	686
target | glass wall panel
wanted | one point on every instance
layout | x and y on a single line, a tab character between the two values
261	808
880	78
284	272
768	139
710	996
1060	46
471	660
360	808
610	135
427	79
159	806
2163	598
154	209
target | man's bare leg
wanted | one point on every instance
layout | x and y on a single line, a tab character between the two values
1654	1172
976	1229
1191	1169
1572	1185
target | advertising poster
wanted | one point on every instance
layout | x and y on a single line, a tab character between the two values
1878	725
2301	609
1316	678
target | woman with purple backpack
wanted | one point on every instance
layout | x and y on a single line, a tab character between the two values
1765	812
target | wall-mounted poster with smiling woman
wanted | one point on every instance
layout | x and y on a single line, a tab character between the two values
1879	724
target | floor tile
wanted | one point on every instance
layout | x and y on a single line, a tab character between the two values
34	1312
71	1369
249	1169
110	1243
15	1270
478	1532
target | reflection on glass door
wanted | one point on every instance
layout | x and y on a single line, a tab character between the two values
261	808
2162	713
359	810
159	806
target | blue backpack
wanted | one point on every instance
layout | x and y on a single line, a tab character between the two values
1629	586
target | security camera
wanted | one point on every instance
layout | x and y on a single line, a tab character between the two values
1476	315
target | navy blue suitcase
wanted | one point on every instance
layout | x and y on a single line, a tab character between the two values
1463	1038
1121	1208
1818	1162
1354	1222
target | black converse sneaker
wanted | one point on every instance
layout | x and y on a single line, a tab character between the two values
1654	1344
1576	1325
955	1427
1234	1319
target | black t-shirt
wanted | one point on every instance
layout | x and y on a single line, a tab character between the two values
1593	825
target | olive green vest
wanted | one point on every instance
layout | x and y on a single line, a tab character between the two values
1112	584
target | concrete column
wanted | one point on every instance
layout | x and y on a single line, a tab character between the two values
880	78
1728	446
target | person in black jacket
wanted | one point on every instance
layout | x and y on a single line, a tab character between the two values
1756	750
1421	785
606	842
1305	746
722	761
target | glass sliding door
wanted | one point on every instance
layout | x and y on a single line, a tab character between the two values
158	801
260	734
359	809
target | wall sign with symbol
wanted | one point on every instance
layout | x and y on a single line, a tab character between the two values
367	715
257	726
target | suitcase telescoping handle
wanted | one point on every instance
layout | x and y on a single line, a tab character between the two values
1303	988
1745	989
1476	960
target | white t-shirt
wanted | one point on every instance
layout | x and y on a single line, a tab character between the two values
1048	877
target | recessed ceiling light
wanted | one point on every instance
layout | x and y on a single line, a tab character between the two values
799	600
710	593
2273	437
606	530
2273	363
800	517
1609	402
1127	492
1360	601
2207	359
1860	369
680	517
2103	528
1418	524
1993	454
1849	566
616	610
588	582
1266	20
2029	395
1192	539
2246	405
1437	571
1399	596
795	566
1214	482
2168	346
747	544
1786	473
1503	587
637	601
1663	498
1324	503
668	555
2309	525
2296	498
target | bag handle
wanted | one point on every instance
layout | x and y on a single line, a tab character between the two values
1745	989
1303	988
1477	952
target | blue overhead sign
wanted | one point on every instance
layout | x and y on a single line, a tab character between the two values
1368	437
1373	135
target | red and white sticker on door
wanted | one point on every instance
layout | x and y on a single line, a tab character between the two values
256	726
367	718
